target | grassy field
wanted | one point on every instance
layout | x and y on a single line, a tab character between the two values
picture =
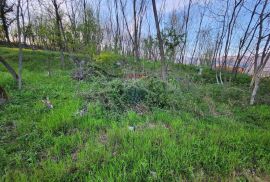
189	129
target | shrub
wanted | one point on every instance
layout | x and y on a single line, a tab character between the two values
118	95
242	79
209	76
256	115
263	96
158	93
108	58
134	94
229	94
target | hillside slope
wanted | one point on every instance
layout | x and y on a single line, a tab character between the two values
115	126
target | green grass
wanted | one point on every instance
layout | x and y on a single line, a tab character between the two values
212	134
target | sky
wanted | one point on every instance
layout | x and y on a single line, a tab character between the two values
211	22
166	7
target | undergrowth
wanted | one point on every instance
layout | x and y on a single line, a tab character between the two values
107	128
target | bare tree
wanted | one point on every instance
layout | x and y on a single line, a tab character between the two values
117	41
10	69
238	4
138	15
263	45
59	29
73	7
246	40
160	43
4	10
20	45
187	17
220	44
202	14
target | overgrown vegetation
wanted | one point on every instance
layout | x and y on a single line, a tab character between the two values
130	128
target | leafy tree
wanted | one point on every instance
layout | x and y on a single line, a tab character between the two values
172	40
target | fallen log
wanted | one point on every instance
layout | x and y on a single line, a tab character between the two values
10	69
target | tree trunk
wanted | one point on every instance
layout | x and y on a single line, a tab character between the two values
160	43
197	37
58	29
5	27
62	59
20	46
135	26
10	69
29	21
255	90
3	12
117	36
183	51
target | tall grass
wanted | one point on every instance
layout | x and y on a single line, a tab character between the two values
214	136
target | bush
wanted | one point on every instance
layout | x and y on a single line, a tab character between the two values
263	96
134	94
108	58
209	76
229	94
256	115
118	95
159	93
242	79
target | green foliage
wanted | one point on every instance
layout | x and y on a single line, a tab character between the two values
172	39
108	58
229	94
263	93
242	79
111	62
209	76
158	93
2	34
119	96
255	115
134	94
29	30
194	130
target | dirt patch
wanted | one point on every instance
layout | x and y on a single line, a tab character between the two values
158	125
140	108
151	125
250	175
103	137
74	154
134	76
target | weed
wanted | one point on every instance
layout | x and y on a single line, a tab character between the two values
188	129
